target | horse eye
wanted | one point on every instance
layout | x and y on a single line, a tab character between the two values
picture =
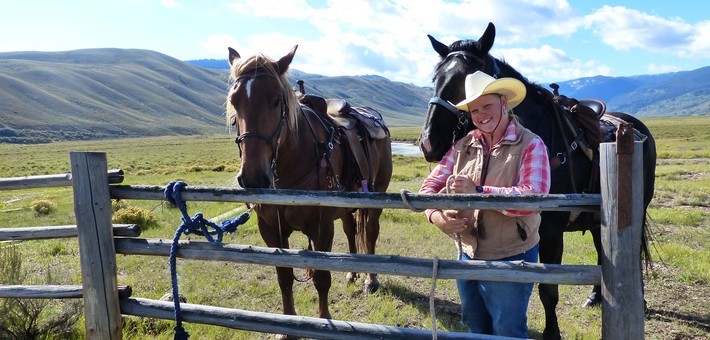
277	102
233	121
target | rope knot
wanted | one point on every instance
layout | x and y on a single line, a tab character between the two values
197	225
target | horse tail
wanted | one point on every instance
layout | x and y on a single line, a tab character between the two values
361	217
646	239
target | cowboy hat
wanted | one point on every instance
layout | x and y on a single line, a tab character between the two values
479	83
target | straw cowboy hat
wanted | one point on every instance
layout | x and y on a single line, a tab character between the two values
479	83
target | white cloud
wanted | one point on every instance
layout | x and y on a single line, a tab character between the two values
624	29
295	9
656	69
546	63
170	3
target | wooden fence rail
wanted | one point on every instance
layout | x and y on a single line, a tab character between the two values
511	271
48	181
60	231
386	200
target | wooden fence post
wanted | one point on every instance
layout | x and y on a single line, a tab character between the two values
622	290
92	207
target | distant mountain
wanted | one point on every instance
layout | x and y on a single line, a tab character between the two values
215	64
670	94
109	93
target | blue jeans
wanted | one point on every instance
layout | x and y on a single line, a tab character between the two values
498	308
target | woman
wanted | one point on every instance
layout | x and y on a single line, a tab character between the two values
500	156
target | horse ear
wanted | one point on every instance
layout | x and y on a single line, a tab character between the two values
233	55
285	61
439	47
486	41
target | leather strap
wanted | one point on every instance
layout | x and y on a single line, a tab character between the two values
624	151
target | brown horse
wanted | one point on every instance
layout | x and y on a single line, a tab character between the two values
284	144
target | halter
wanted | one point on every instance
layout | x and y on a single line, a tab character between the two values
460	115
277	131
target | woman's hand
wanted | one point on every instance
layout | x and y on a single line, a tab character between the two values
462	184
447	221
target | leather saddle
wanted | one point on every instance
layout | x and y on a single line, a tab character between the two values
348	117
357	125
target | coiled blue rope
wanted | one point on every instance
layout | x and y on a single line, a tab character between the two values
197	225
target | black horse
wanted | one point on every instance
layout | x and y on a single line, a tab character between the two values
572	170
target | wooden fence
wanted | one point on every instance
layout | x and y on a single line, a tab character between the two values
105	300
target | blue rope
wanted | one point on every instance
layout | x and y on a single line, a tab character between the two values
196	225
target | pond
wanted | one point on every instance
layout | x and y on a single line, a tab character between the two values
406	149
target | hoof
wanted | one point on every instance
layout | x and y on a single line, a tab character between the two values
371	286
350	278
551	333
593	300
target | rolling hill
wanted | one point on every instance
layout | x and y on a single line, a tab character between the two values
99	93
110	93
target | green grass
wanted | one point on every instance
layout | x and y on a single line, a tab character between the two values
677	287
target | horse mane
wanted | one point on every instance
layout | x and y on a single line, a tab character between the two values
262	62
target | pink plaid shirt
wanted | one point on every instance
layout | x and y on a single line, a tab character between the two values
534	172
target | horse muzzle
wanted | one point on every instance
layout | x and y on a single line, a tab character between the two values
254	181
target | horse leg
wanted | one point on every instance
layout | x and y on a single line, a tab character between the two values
350	230
322	241
273	238
371	233
595	298
551	248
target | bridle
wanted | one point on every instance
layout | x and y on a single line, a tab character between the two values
277	131
461	117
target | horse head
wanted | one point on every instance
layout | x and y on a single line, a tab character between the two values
444	124
259	103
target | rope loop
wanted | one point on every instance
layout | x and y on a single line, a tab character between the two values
197	225
405	199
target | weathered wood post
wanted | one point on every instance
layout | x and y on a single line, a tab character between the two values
92	207
622	221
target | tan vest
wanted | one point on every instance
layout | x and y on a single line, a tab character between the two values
500	235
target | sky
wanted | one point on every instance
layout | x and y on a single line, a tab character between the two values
546	41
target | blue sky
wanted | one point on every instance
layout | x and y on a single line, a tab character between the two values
547	41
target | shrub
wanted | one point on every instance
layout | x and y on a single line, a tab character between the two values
57	248
219	168
117	205
43	207
136	215
33	318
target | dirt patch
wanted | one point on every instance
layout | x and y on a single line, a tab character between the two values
677	309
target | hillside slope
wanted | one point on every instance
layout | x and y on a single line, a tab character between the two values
100	93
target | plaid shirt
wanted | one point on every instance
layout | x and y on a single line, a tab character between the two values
534	172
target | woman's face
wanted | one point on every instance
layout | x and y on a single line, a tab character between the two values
486	111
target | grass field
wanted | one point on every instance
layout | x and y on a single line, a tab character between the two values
677	286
